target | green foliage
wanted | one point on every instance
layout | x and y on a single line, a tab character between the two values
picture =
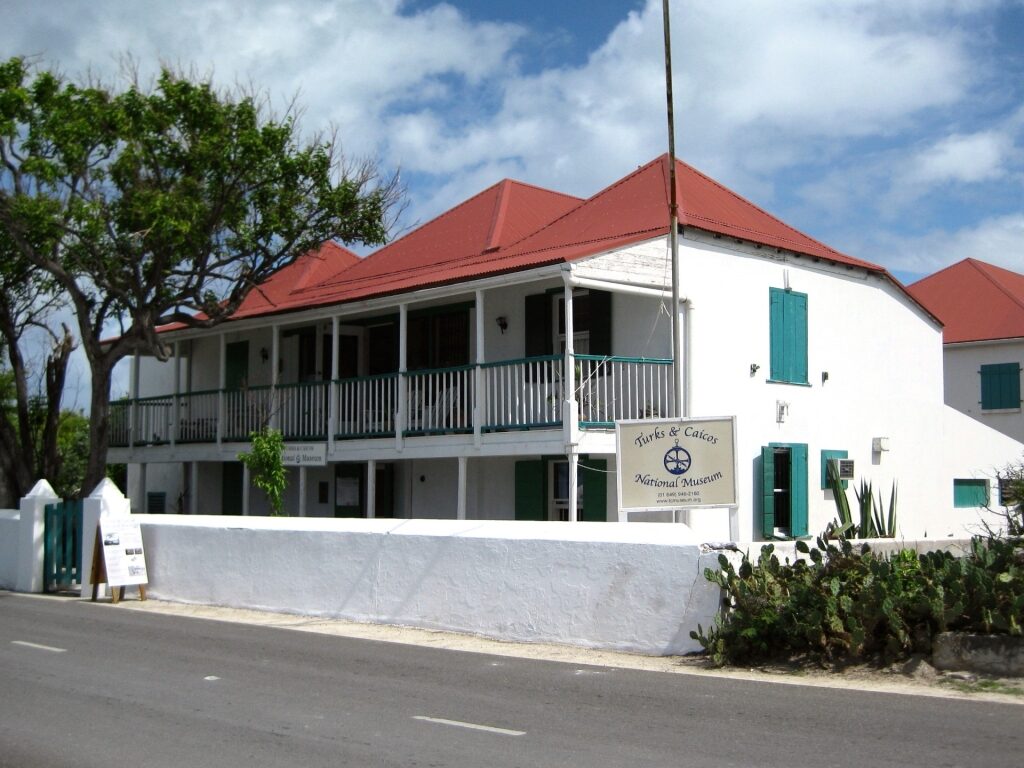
845	603
73	449
266	467
876	522
147	206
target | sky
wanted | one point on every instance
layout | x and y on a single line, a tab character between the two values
892	131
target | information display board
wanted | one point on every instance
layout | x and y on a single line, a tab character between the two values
676	463
123	555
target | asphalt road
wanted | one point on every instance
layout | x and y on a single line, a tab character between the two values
96	685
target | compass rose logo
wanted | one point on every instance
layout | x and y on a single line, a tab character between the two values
677	460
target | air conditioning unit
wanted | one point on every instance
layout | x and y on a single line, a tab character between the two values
845	467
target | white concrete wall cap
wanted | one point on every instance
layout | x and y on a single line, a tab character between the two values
42	489
638	533
106	489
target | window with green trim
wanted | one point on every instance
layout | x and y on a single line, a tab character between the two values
970	493
1000	386
788	334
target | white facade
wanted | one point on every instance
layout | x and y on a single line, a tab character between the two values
963	363
874	371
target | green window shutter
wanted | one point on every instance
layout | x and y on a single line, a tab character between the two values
595	490
767	491
826	456
796	323
530	492
777	325
970	493
600	323
798	489
787	319
1000	386
538	325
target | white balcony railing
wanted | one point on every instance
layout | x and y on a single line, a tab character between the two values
514	394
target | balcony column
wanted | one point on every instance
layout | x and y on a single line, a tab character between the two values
332	386
574	472
193	497
461	509
479	403
570	409
175	405
302	491
133	409
371	489
246	480
222	381
401	388
275	401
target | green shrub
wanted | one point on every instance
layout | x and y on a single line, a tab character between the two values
845	603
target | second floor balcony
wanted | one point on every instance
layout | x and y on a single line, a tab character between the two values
521	394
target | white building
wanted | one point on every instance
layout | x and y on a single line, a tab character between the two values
445	396
982	307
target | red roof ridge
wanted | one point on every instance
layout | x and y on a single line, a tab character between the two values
985	269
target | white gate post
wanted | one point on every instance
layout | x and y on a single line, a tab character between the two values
30	537
106	500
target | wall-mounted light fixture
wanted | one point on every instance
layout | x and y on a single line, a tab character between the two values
264	354
754	368
502	323
781	411
824	376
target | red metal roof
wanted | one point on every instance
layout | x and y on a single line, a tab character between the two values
636	208
976	301
307	271
448	248
513	226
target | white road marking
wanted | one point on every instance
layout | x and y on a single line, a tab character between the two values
472	726
211	677
37	646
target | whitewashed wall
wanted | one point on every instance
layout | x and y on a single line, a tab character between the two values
963	382
631	588
10	525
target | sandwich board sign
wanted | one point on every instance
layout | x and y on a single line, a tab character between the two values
119	559
669	464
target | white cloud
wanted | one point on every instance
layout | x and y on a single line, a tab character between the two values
998	240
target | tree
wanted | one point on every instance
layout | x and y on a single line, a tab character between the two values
30	409
266	466
166	204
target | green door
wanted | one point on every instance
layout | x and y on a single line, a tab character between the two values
594	481
236	364
531	490
231	479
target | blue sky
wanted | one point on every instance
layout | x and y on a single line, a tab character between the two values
893	131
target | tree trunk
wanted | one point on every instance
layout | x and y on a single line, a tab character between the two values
99	424
56	374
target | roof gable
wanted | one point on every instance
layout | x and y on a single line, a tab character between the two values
637	208
977	301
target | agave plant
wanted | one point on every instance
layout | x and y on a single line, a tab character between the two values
875	520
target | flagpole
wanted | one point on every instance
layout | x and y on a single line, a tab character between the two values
673	233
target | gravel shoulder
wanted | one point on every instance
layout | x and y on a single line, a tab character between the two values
915	677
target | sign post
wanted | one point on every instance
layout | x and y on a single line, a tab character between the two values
674	464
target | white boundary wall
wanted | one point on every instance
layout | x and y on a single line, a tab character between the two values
633	588
10	524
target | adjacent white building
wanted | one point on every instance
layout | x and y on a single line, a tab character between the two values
475	368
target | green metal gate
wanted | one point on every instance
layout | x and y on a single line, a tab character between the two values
62	546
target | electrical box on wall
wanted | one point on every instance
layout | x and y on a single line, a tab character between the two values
845	468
